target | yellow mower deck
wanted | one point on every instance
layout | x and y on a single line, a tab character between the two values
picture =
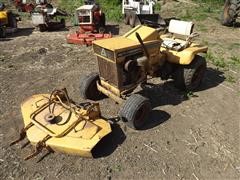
74	130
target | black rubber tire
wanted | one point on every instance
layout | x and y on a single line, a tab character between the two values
2	32
12	21
63	23
126	18
189	77
135	111
42	27
229	14
103	20
88	87
132	20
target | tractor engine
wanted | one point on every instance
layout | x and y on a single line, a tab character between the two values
124	62
125	69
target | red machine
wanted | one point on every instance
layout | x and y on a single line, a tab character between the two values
23	6
91	21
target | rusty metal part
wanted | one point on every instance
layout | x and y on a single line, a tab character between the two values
22	134
39	147
49	117
73	128
109	94
111	88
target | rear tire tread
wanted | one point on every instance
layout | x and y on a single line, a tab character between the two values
129	110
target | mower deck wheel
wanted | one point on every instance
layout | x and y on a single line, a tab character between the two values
189	77
135	111
88	87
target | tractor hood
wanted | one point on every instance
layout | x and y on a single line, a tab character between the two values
129	39
86	7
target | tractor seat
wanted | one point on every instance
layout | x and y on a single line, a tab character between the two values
180	28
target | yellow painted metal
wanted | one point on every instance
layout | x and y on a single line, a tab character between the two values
146	33
185	56
129	39
108	93
116	43
3	17
75	132
113	89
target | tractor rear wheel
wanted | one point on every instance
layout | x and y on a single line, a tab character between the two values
230	12
12	21
63	23
132	20
88	87
135	111
102	20
189	77
126	18
42	27
2	32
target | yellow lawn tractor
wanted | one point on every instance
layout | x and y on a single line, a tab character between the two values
8	21
125	62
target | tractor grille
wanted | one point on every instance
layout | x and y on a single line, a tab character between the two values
108	71
103	52
84	19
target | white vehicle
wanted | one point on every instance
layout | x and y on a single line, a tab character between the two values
138	6
137	11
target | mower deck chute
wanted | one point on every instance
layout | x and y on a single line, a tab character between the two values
55	123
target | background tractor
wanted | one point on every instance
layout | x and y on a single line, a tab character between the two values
8	21
92	22
126	62
24	6
135	12
231	12
45	17
90	18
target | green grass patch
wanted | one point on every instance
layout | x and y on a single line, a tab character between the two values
203	10
202	28
231	79
234	46
219	62
234	62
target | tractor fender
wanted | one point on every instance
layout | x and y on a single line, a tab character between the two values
185	56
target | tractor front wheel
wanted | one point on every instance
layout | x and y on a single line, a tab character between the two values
135	111
2	32
189	77
88	87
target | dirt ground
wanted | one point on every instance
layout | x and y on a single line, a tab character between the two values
186	138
